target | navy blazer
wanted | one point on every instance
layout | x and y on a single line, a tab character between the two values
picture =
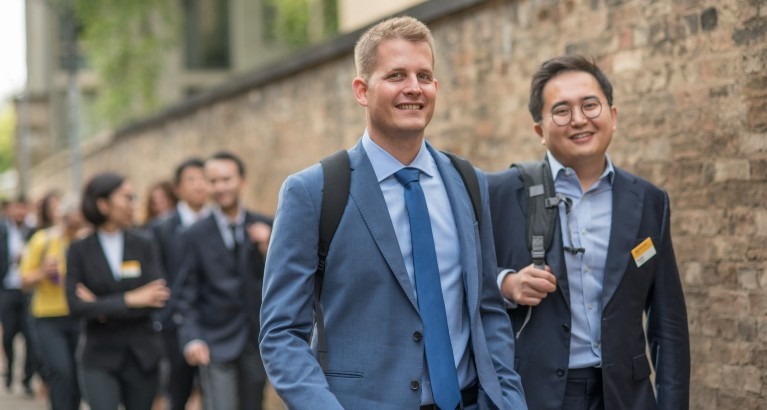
112	328
640	211
220	297
167	233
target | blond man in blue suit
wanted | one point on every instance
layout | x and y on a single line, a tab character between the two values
385	334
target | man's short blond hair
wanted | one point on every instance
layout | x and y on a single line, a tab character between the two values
405	28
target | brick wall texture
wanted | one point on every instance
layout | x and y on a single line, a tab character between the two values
690	81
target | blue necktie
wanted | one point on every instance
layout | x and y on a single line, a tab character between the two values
439	351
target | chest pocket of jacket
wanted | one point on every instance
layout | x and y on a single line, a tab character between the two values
641	367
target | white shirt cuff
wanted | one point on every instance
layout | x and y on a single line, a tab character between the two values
510	304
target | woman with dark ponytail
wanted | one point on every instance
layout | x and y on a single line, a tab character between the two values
114	282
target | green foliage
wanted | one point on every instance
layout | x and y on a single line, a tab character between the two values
126	42
7	130
301	22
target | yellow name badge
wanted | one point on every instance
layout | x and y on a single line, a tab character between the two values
130	269
643	252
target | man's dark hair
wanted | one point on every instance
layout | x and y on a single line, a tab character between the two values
557	65
99	187
228	156
188	163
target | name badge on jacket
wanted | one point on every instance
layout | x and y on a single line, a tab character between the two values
130	269
643	252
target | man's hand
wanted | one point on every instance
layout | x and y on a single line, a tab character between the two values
259	233
196	353
529	286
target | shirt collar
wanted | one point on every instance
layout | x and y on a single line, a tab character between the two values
557	167
109	236
223	220
385	165
187	215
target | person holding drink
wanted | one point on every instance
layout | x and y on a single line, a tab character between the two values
43	267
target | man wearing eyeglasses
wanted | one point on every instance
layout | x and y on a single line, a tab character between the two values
579	321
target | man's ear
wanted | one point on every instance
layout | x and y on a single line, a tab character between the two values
360	88
538	130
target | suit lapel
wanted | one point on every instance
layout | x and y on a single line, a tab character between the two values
218	246
99	259
366	194
626	217
463	214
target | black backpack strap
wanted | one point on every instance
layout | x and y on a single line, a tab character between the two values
336	176
469	177
542	208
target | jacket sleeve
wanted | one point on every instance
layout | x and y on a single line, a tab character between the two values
286	311
112	305
497	327
105	306
667	330
188	284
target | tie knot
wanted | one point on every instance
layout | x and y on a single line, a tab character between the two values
407	175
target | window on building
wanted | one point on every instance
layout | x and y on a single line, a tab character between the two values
206	34
66	40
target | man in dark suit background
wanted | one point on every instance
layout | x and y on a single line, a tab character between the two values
221	293
14	233
582	345
191	188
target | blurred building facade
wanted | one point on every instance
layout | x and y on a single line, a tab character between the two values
353	14
218	40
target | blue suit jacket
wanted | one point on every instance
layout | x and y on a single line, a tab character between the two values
640	210
220	296
371	314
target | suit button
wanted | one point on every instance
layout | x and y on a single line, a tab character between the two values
560	372
566	327
417	336
415	385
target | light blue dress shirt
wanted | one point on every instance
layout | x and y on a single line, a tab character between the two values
446	243
588	223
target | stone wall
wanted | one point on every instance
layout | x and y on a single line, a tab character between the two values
691	89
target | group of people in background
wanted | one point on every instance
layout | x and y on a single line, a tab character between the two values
426	298
118	314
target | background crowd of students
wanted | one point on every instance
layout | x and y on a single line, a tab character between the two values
115	311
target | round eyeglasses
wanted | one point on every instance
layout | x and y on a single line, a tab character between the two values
563	114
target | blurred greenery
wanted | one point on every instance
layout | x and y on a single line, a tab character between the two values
126	43
7	130
301	22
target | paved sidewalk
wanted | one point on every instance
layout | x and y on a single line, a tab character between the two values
16	400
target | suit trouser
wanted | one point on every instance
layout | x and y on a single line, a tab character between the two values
584	390
14	318
57	341
130	385
234	385
181	378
